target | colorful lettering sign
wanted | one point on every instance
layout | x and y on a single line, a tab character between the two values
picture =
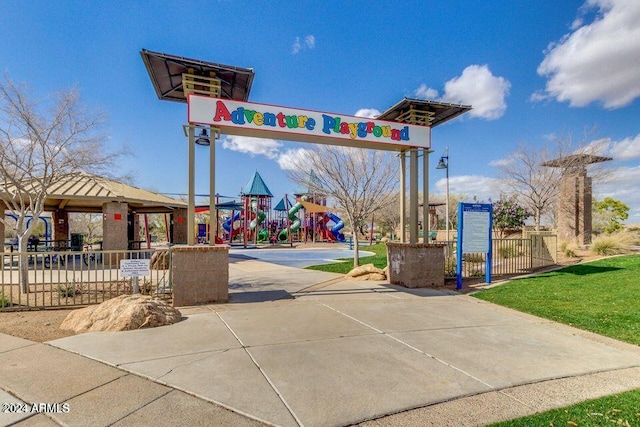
268	121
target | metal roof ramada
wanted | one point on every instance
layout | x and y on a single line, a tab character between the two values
84	192
440	111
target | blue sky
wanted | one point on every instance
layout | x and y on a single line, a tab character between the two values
532	70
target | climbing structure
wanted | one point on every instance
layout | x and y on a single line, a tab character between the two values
256	199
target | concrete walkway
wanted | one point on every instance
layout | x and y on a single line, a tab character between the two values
331	353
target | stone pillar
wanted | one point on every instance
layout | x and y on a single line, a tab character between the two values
416	265
2	230
115	226
199	274
60	219
180	228
574	207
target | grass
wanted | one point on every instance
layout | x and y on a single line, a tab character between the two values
600	297
621	409
379	260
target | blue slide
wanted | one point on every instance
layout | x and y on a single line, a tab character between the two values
227	224
335	230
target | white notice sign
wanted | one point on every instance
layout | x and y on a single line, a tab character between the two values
134	267
475	230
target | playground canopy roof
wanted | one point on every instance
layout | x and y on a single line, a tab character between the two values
83	192
438	112
256	187
166	72
283	205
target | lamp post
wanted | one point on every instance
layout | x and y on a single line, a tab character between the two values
444	164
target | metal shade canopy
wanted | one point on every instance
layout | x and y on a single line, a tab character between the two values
166	72
438	112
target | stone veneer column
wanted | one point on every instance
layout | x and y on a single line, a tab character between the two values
179	219
115	226
60	219
199	274
2	230
574	212
416	265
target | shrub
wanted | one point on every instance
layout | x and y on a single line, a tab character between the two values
67	291
473	257
612	244
4	301
508	252
568	249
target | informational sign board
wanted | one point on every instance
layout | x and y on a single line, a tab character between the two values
474	235
134	267
270	121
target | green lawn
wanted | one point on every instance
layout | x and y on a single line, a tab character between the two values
618	410
379	260
601	296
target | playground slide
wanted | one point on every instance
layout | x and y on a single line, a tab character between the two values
295	222
335	230
257	221
227	224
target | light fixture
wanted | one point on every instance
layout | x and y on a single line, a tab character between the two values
203	138
444	164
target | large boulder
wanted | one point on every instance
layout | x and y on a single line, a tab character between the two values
367	272
160	260
122	313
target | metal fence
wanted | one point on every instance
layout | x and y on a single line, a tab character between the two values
510	257
70	278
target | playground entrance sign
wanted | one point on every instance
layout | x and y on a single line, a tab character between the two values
474	235
269	121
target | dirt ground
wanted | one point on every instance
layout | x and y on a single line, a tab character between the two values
37	325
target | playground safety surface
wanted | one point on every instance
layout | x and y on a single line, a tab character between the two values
332	352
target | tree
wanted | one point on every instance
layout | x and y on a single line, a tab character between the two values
508	214
536	186
359	181
89	224
609	214
42	143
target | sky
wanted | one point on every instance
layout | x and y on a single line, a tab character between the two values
534	71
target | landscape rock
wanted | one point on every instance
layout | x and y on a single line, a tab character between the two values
364	269
371	276
122	313
367	272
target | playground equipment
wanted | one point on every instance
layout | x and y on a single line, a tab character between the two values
339	225
295	222
232	225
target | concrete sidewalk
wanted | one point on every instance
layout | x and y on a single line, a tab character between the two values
336	353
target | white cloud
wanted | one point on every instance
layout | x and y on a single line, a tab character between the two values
425	92
478	87
292	157
309	42
370	113
502	162
254	146
621	184
598	61
481	187
626	149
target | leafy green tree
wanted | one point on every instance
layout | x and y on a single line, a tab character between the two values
508	214
609	214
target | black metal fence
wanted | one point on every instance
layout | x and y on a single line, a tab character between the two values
55	279
510	257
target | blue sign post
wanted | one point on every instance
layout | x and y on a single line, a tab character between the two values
474	235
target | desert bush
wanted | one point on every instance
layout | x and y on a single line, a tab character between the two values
612	244
508	252
4	301
473	257
568	249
